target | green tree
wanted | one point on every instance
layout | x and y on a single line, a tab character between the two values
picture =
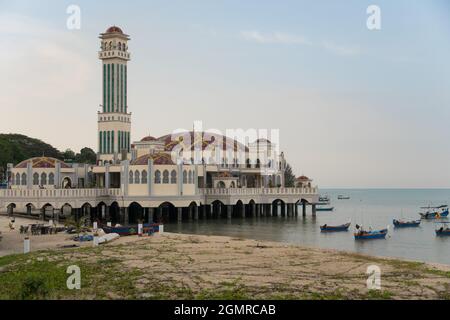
289	177
68	155
86	155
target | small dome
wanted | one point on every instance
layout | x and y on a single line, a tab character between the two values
148	138
303	178
42	162
263	140
114	29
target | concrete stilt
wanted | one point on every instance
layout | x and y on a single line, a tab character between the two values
196	213
314	210
229	211
243	211
180	214
270	209
304	209
151	212
190	209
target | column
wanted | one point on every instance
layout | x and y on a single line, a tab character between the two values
180	214
270	209
159	215
243	211
314	211
151	212
190	209
107	176
229	211
196	213
304	209
125	216
219	210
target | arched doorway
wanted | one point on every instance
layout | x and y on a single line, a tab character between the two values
166	212
135	213
10	209
218	209
278	208
114	213
66	183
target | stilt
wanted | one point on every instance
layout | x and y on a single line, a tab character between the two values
105	213
180	214
270	209
125	216
243	211
314	211
190	209
229	211
304	209
151	212
159	215
196	213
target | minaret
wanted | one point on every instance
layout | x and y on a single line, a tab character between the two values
114	121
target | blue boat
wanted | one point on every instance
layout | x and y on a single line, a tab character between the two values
443	231
132	229
435	212
325	209
362	234
406	224
327	228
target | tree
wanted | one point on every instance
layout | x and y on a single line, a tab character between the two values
86	155
289	177
68	155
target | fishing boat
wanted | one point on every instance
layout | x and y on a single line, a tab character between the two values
444	230
132	229
435	212
342	197
324	199
324	208
362	234
406	224
343	227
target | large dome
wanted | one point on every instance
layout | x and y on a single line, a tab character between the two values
42	162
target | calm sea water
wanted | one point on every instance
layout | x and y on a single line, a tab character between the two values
370	207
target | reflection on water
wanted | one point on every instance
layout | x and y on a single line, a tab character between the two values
371	208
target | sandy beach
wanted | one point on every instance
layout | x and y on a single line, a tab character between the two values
178	266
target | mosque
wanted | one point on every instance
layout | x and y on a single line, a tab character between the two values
178	176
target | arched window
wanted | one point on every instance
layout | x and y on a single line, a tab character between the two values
185	177
232	185
130	177
157	176
137	177
191	180
43	178
51	179
18	179
144	177
120	46
173	177
166	176
35	179
24	179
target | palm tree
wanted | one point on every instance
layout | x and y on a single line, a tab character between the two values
77	224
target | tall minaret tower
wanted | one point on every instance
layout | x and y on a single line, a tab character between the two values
114	121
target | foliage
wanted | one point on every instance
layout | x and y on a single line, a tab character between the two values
86	155
289	177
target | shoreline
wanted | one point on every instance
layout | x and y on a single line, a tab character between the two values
183	266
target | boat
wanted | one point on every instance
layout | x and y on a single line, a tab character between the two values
435	212
341	197
327	228
443	231
132	229
406	224
324	199
362	234
324	208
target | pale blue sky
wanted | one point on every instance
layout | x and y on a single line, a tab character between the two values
355	108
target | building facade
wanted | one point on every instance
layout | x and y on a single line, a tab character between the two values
180	175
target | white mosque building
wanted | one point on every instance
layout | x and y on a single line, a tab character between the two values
178	176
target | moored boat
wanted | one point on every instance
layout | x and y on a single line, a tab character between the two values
435	212
132	229
406	224
443	231
342	197
325	199
327	228
362	234
324	208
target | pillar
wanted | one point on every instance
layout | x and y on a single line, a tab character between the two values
219	211
296	209
270	209
196	213
314	211
151	212
125	216
243	211
304	209
190	209
253	209
229	211
180	214
159	215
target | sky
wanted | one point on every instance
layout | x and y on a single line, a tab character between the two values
354	107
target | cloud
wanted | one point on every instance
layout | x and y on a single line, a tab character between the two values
293	39
276	37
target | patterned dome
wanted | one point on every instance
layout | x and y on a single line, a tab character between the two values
148	138
303	178
114	29
42	162
158	158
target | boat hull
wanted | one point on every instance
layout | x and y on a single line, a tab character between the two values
434	215
409	224
325	209
371	235
444	233
341	228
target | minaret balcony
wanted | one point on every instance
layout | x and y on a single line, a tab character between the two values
110	54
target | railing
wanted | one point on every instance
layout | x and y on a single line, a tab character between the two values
57	193
258	191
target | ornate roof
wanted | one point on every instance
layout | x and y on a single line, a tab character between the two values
303	178
148	138
158	158
197	138
114	29
42	162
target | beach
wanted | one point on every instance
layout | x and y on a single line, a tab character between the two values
179	266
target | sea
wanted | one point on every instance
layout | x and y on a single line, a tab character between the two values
371	208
